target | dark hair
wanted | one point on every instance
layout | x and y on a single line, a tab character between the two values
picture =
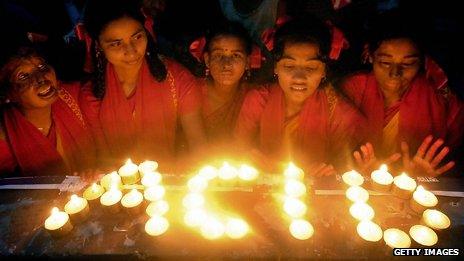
307	30
229	29
98	14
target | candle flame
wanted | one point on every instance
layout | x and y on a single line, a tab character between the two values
94	186
383	167
74	197
420	188
55	210
129	162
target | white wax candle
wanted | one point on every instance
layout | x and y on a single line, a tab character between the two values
147	166
423	235
436	219
93	192
193	200
405	182
236	228
295	188
56	220
293	172
195	217
301	229
369	231
247	172
424	197
157	208
129	172
154	193
156	226
208	172
295	207
132	199
382	176
212	228
151	179
357	194
197	184
396	238
75	205
111	197
227	172
353	178
111	180
362	211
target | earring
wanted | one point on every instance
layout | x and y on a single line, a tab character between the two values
248	74
275	76
206	71
148	53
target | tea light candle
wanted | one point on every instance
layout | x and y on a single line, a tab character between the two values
197	184
293	172
195	217
247	173
301	229
357	194
132	201
77	209
236	228
227	172
295	207
147	166
157	208
362	211
156	226
154	193
369	231
111	180
436	219
193	200
396	238
129	173
423	235
212	229
151	179
422	199
58	223
353	178
295	188
208	172
93	193
404	186
110	200
381	179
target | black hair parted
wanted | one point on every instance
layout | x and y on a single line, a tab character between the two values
226	28
303	30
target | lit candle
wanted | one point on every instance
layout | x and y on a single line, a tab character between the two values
293	172
132	201
404	186
422	199
154	193
93	193
295	188
353	178
129	173
77	208
197	184
195	217
156	226
147	166
294	207
369	231
208	172
111	180
151	179
58	223
212	228
227	172
357	194
423	235
247	173
236	228
362	211
157	208
301	229
381	179
396	238
110	200
436	219
193	200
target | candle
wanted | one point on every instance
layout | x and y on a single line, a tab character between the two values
77	209
295	188
404	186
195	217
422	199
156	226
353	178
236	228
381	179
154	193
357	194
132	201
58	223
436	219
110	200
93	193
396	238
294	207
147	166
151	179
197	184
212	228
247	173
129	173
227	172
301	229
362	211
369	231
208	172
157	208
193	200
293	172
111	180
423	235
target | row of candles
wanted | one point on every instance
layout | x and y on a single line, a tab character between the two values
403	187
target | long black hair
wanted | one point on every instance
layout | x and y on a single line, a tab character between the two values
98	14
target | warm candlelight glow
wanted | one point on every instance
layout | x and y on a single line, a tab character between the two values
301	229
151	179
197	184
295	188
405	182
357	194
247	173
369	231
208	172
293	172
110	180
156	226
93	192
353	178
424	197
75	205
396	238
236	228
436	219
362	211
56	220
382	176
132	199
212	229
154	193
195	217
148	166
157	208
294	207
129	173
423	235
227	172
111	197
193	200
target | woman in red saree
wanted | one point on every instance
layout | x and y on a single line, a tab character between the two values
42	128
137	98
301	117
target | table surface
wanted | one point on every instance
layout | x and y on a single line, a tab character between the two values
23	212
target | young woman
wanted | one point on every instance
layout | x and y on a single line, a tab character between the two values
42	128
301	117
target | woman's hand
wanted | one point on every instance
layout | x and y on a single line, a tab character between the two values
366	160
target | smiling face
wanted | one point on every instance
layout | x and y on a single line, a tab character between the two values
395	64
299	71
124	43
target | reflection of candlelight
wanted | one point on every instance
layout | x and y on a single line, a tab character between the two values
436	219
156	226
195	217
147	166
295	188
301	229
422	199
362	211
58	223
353	178
396	238
247	173
129	173
236	228
111	180
157	208
294	207
227	172
151	179
93	192
154	193
369	231
212	228
293	172
357	194
404	186
197	184
382	179
193	200
77	208
423	235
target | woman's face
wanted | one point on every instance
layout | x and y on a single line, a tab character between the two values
299	71
395	63
227	60
124	43
34	84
